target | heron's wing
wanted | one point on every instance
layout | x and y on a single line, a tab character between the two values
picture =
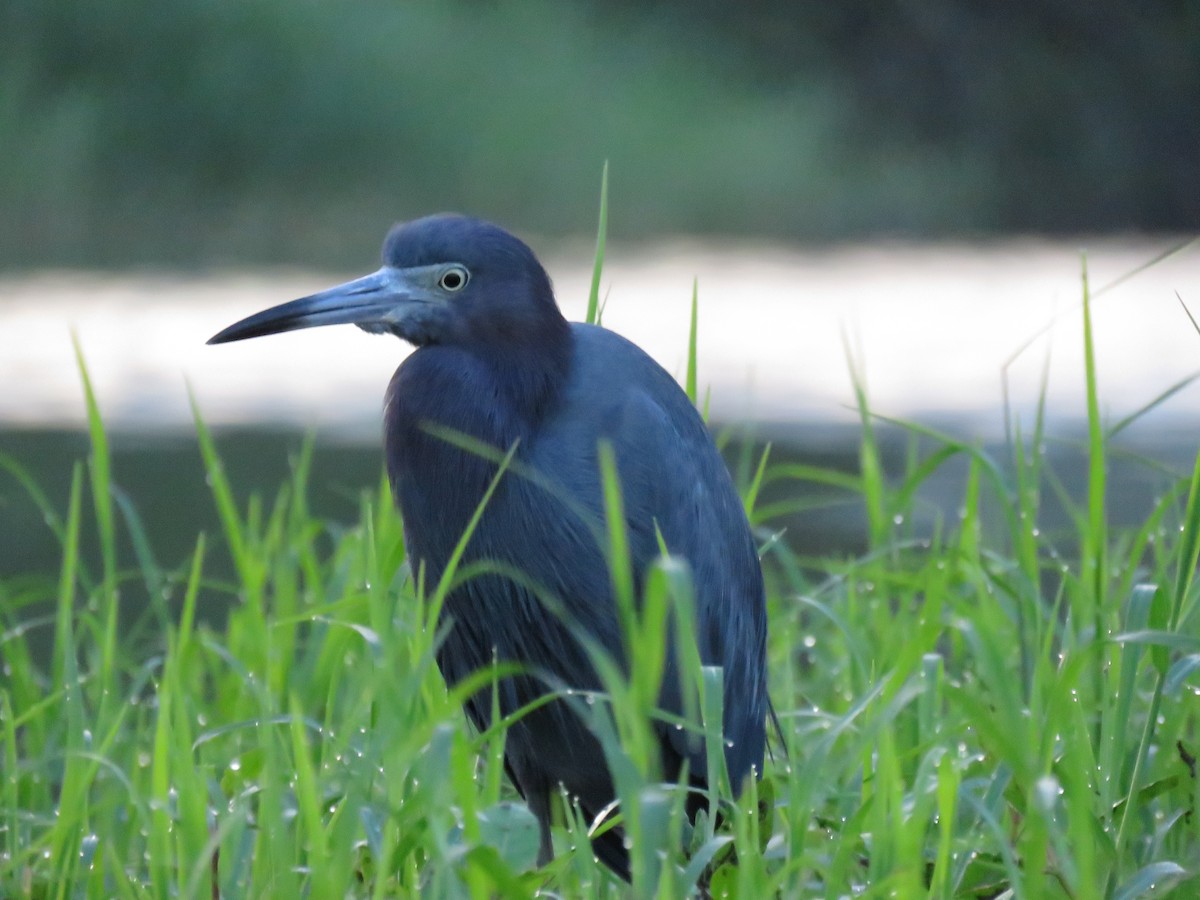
676	489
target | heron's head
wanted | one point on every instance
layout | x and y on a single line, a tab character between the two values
446	279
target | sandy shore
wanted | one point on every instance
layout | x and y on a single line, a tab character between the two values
937	327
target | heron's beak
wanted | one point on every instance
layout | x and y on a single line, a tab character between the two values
374	301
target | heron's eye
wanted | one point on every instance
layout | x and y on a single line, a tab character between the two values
454	279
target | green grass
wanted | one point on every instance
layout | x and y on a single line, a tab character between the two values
982	708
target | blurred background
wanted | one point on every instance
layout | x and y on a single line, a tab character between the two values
910	183
201	133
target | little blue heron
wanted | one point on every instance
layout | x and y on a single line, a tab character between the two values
497	364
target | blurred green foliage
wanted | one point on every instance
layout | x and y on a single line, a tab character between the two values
208	131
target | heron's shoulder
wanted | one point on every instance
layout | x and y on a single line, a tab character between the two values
596	339
605	358
624	394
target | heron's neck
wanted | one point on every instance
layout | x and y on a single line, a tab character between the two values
529	370
498	391
440	396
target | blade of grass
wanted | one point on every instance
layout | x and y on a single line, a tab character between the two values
100	469
690	381
871	482
593	307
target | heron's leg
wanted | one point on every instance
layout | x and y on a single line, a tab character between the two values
539	805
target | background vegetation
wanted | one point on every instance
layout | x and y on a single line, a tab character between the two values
197	132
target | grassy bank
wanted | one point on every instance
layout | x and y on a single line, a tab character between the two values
978	708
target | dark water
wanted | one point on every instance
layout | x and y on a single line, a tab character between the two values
164	480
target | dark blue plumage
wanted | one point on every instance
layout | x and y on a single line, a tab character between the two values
497	363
